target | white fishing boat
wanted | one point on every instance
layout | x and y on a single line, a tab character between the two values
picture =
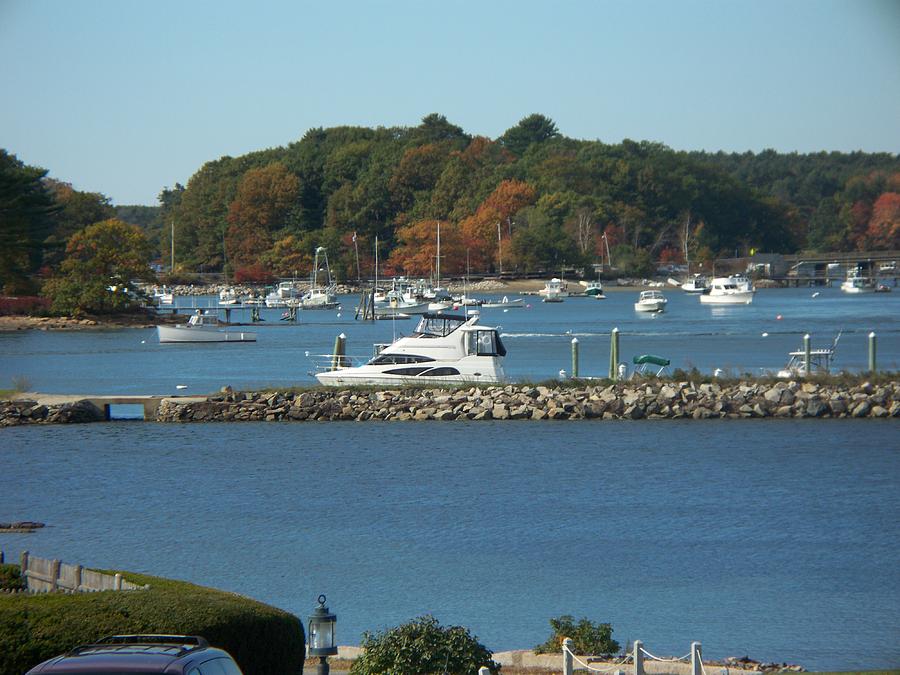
505	303
318	296
443	349
395	303
724	291
696	284
554	290
857	283
203	327
820	361
595	290
650	301
742	282
227	296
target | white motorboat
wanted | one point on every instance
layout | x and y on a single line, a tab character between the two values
285	295
438	300
320	297
595	290
742	282
203	327
724	291
651	301
820	361
443	349
504	303
227	296
696	284
395	303
857	283
554	290
163	296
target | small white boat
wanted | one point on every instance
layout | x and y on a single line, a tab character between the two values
285	295
395	303
227	296
595	290
651	301
504	303
857	283
554	290
163	296
443	349
696	284
203	327
320	297
724	291
819	361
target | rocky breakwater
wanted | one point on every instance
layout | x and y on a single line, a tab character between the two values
569	401
14	413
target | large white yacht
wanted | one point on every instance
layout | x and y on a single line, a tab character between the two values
726	291
443	349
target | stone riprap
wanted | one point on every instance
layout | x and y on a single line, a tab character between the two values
570	401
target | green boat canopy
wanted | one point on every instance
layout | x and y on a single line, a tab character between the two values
651	359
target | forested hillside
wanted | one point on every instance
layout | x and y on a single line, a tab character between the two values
531	199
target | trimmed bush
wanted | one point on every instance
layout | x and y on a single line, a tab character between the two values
262	639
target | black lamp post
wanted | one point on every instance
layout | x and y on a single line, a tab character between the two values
321	636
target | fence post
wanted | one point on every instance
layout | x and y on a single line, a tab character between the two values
872	345
696	656
118	582
638	658
1	557
574	357
54	575
807	349
568	663
78	569
613	353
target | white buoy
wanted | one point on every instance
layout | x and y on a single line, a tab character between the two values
143	342
816	294
339	315
306	353
765	335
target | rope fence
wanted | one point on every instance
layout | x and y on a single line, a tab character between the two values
693	658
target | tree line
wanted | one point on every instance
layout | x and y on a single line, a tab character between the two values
530	200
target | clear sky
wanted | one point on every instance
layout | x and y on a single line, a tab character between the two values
126	97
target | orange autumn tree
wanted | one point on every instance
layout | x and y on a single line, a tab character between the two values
883	232
265	198
480	229
417	248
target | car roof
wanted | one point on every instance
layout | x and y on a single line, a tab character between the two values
131	654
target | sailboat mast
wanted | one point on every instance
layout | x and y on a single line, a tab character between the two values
438	256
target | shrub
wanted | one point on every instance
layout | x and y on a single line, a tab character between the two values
589	638
28	304
257	274
10	578
422	646
262	639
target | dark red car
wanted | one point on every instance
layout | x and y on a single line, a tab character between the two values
126	654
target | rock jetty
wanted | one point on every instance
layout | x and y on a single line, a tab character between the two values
567	401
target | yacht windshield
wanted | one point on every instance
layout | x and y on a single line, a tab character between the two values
439	325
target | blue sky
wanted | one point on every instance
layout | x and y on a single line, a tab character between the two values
125	97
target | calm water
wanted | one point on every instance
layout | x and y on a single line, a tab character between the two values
777	539
538	339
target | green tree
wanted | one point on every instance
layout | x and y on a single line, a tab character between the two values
532	129
589	637
422	647
101	262
26	211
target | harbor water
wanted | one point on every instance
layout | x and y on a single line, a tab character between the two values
774	539
754	339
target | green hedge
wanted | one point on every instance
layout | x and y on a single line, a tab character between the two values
262	639
10	578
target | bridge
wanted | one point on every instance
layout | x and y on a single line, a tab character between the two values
149	402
